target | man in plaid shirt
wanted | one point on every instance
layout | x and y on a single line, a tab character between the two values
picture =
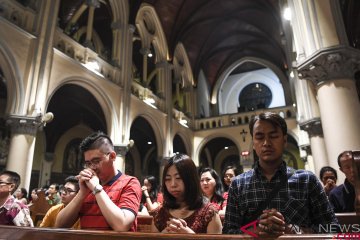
300	204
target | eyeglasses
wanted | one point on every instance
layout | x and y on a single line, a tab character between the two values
5	183
66	191
94	162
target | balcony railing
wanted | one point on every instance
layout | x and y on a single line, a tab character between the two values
19	15
239	118
84	55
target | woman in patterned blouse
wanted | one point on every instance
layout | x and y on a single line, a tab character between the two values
184	209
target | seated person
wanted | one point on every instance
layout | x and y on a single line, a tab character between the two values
342	198
12	212
211	187
21	195
67	193
53	196
33	197
184	209
151	197
107	199
277	196
228	175
328	177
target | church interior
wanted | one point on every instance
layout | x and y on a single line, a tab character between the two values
161	77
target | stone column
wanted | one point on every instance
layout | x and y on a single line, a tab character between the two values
145	52
22	145
326	61
45	173
314	130
165	79
90	22
332	71
121	150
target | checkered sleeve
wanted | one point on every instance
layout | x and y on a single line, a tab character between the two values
233	219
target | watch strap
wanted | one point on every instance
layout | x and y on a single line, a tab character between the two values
98	188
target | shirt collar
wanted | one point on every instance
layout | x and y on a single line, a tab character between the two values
116	177
282	170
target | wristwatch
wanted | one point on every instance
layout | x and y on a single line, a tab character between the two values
98	188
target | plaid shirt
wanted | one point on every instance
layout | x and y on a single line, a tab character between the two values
302	202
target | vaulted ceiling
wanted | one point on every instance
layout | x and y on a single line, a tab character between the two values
218	33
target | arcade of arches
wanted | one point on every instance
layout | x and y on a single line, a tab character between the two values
175	76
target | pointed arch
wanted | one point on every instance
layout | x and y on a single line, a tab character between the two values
151	32
14	82
283	79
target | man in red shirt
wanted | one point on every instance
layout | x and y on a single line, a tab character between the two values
107	199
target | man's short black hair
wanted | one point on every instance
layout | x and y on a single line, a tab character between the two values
325	169
275	119
96	140
344	153
74	181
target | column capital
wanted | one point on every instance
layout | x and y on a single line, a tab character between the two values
122	148
307	149
328	64
24	124
313	127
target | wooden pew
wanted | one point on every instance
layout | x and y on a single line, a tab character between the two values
347	218
39	208
144	223
20	233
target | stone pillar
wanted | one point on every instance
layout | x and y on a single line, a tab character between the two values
22	145
43	56
89	28
121	150
164	69
144	52
69	27
332	71
45	173
314	130
326	61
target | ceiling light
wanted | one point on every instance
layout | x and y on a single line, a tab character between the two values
287	14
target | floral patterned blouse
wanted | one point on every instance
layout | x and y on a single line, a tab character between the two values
198	221
15	213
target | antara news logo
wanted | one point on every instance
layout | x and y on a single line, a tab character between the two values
345	231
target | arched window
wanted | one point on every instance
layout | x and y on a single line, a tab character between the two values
254	96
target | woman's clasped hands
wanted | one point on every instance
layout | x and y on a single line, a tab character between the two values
177	225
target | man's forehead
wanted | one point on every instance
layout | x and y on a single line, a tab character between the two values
345	157
69	185
4	176
262	126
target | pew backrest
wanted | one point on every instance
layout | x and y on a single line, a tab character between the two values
39	208
19	233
